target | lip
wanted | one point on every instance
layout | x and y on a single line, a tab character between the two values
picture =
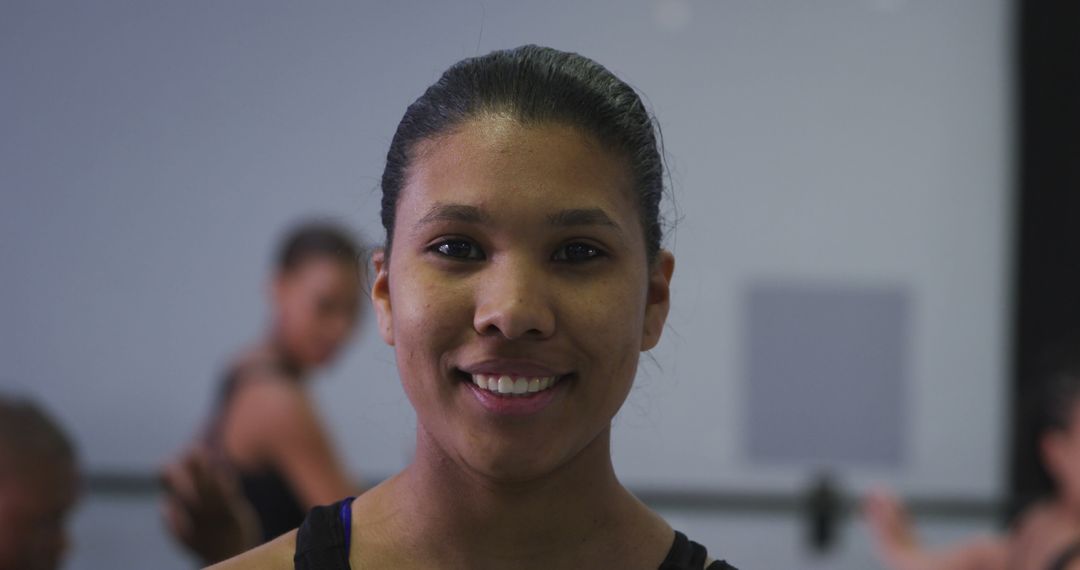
511	367
523	405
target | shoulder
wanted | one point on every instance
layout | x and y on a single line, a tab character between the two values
274	555
269	392
268	406
258	362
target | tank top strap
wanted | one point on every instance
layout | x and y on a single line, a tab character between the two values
686	554
322	542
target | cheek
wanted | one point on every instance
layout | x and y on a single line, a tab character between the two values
430	317
607	325
425	312
609	314
294	313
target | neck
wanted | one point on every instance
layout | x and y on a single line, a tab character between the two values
276	346
523	523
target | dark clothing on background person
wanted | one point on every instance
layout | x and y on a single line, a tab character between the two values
269	492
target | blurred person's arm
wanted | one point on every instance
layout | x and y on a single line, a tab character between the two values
899	549
205	510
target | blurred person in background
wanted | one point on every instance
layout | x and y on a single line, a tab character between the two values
265	457
39	484
1045	536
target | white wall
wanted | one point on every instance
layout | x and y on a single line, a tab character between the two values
151	153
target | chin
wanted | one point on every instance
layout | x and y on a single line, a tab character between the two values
517	462
317	358
511	470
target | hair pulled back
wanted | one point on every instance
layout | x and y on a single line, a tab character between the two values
535	85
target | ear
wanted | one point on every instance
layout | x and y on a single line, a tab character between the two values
658	298
380	295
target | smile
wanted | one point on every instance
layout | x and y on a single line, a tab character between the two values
507	385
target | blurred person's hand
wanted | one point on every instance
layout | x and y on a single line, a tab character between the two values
891	528
899	548
205	510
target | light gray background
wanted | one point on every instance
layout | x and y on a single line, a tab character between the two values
826	373
151	152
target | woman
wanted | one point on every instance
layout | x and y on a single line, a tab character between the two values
522	276
1046	536
265	425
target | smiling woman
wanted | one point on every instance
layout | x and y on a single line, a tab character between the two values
522	277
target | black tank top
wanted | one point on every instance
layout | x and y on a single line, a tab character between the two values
322	543
270	494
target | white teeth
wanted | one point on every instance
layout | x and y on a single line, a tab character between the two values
506	385
510	386
521	386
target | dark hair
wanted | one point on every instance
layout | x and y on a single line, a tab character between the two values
536	85
317	239
28	435
1059	390
1048	407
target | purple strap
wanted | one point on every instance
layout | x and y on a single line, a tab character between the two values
345	512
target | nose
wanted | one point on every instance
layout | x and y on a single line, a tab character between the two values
513	301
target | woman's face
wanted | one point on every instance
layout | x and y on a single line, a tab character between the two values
317	308
518	265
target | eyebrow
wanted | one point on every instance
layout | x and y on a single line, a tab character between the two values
454	213
443	212
582	217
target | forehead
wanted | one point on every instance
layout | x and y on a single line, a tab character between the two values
492	158
324	268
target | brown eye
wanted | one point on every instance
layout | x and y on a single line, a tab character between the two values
576	253
459	249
